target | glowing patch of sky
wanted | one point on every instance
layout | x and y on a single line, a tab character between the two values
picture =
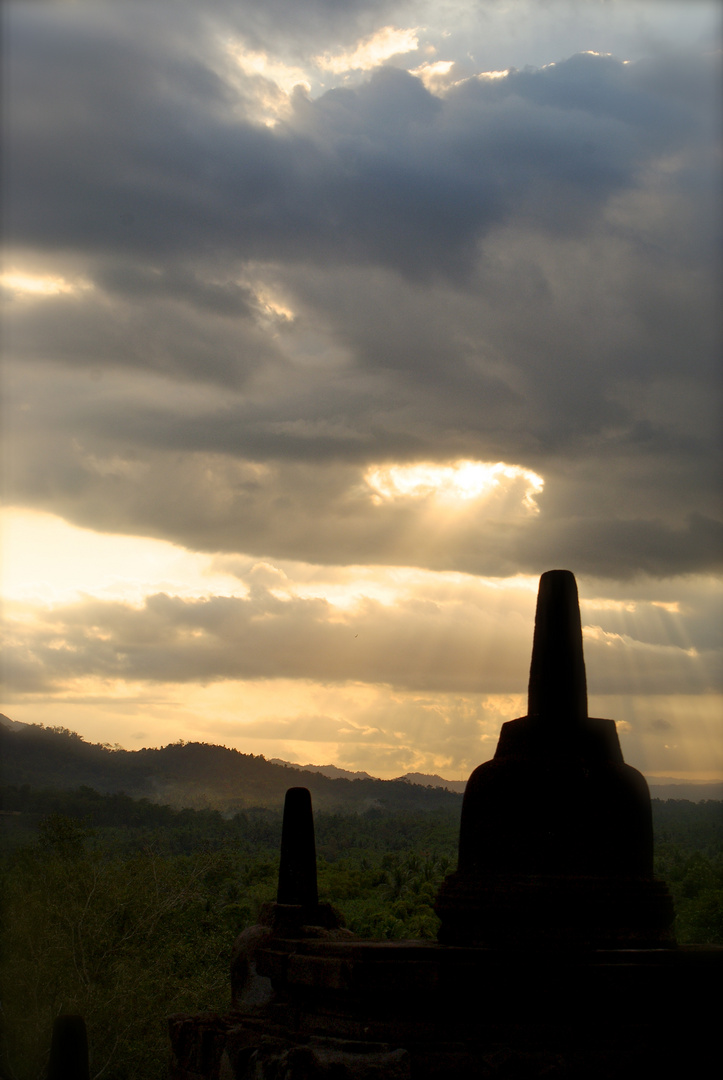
667	735
274	305
273	80
436	76
388	732
460	481
600	604
253	62
611	640
47	560
372	51
22	283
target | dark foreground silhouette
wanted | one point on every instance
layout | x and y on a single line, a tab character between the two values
556	838
556	956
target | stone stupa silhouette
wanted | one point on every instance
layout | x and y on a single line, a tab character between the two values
556	838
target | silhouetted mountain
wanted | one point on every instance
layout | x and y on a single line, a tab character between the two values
192	774
424	779
200	774
432	780
12	725
336	772
333	771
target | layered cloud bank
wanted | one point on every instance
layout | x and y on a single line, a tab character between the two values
365	287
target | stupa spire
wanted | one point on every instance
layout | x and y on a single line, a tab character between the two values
557	687
297	869
556	836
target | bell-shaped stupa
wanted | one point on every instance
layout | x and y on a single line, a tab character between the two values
556	839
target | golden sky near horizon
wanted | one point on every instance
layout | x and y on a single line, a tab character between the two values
478	631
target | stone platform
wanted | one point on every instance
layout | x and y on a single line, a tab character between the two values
424	1011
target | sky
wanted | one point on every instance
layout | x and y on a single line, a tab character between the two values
328	328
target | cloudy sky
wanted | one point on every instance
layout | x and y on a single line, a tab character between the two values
328	327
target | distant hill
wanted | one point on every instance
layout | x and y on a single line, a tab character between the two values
193	775
424	779
434	781
12	725
333	771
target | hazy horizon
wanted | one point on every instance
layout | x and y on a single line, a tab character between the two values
661	787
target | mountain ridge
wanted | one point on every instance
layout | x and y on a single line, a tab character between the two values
335	771
191	774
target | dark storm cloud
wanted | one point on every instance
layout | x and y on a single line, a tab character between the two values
180	283
240	479
123	142
170	321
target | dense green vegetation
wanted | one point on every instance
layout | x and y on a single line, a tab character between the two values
689	857
126	911
119	938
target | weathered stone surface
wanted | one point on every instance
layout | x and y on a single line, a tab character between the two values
249	990
481	1012
197	1042
322	1061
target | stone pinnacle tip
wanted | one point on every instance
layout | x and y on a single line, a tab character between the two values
558	687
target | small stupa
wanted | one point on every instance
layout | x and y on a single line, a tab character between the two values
556	836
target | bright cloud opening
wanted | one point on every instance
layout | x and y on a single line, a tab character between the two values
604	604
436	75
273	82
458	482
253	62
374	50
273	305
18	281
491	75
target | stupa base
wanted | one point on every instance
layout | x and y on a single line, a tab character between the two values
422	1011
547	911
